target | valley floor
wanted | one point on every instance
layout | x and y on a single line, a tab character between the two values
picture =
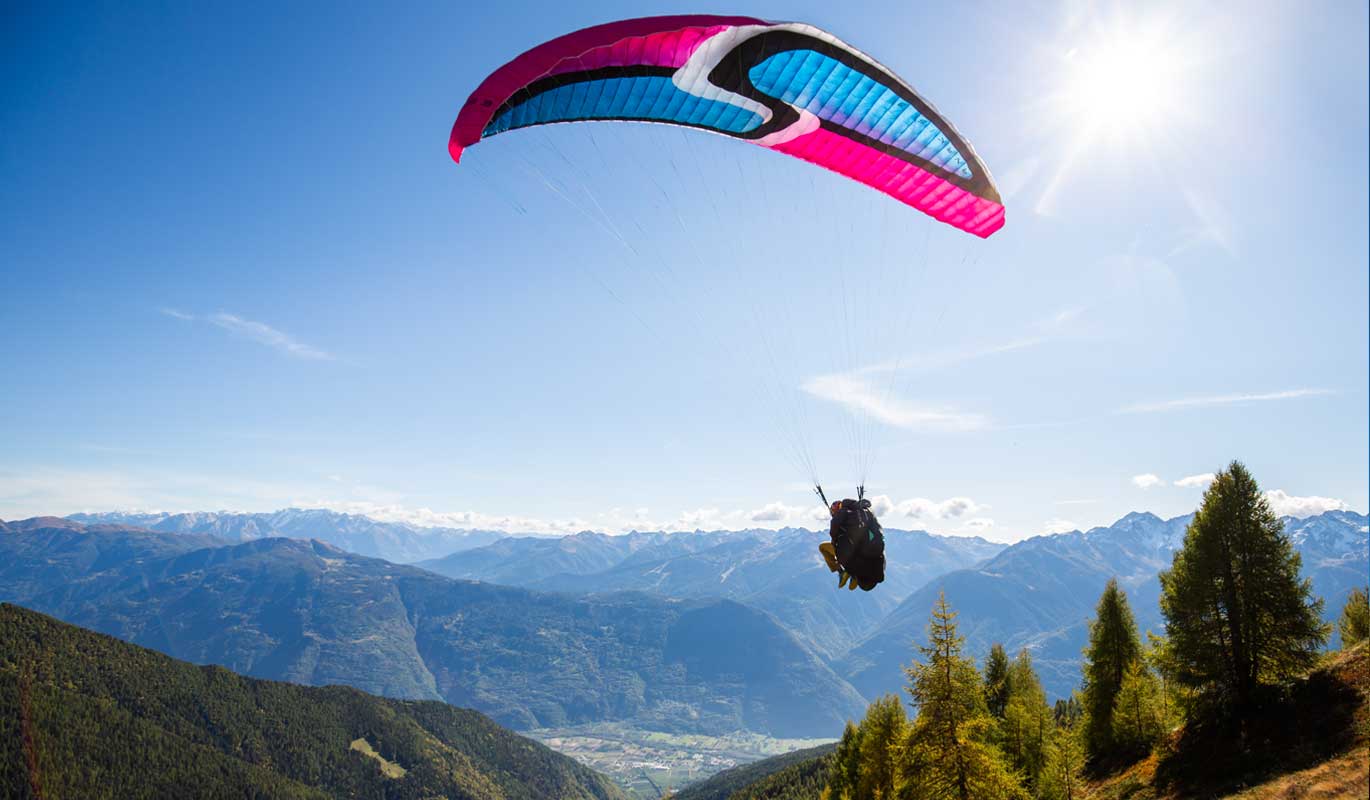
645	762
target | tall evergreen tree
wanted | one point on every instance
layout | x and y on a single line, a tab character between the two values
1237	614
1354	624
1027	724
949	755
1113	649
881	745
996	680
845	771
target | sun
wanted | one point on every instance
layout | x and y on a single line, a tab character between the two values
1123	85
1117	87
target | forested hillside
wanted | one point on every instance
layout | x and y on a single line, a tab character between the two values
83	715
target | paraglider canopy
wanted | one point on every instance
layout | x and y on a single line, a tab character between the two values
789	87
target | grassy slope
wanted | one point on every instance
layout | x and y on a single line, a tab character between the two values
86	715
1318	748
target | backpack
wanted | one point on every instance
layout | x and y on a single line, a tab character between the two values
863	531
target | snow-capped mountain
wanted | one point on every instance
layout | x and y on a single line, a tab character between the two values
393	541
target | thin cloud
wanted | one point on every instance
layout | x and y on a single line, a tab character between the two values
258	332
1147	481
1193	481
1058	525
1219	400
859	396
262	333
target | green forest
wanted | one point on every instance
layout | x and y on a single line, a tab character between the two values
83	715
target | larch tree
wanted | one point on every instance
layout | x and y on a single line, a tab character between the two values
1354	624
949	755
1237	614
845	770
1113	649
1063	774
881	747
1137	716
1028	722
996	680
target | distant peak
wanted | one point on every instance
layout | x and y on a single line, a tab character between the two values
1138	516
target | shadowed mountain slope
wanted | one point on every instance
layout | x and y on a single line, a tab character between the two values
87	715
777	571
311	613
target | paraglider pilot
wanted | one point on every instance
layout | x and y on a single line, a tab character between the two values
856	551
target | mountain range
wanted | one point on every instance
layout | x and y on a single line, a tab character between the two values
1040	593
308	612
544	631
399	542
778	572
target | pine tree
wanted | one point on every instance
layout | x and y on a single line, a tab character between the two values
1113	649
1137	718
881	744
996	680
948	755
1237	615
845	771
1354	624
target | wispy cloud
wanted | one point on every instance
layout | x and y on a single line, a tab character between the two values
258	332
262	333
862	397
1083	502
1147	481
1193	481
1219	400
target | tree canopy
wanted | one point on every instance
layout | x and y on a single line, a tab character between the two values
1237	614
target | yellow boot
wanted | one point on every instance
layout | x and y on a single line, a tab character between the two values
830	556
842	578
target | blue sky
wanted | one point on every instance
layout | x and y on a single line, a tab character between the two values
240	271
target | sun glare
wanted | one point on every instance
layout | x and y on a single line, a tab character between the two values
1122	86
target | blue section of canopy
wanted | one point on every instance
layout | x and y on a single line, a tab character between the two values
833	91
649	97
